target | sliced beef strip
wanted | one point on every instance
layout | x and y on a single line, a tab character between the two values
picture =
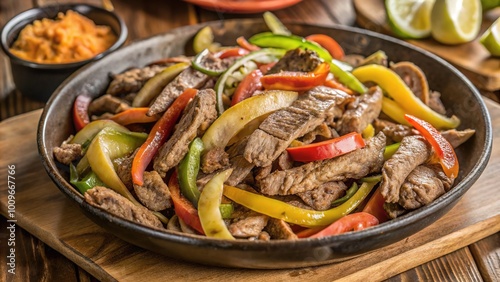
321	198
457	137
435	102
154	193
278	130
412	152
414	77
279	229
214	159
394	210
188	78
356	164
321	131
241	167
124	170
107	104
132	80
360	113
247	223
120	206
424	184
67	153
394	131
297	60
199	114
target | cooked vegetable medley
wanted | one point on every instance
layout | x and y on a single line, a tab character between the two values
277	137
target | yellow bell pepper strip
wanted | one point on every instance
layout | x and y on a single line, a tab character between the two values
89	181
351	222
329	44
80	111
86	135
368	132
158	135
390	150
209	207
304	217
134	115
296	81
108	145
442	148
155	85
184	209
348	194
401	94
347	78
327	149
394	110
188	171
375	206
221	82
238	116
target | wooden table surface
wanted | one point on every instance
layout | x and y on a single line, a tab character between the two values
38	262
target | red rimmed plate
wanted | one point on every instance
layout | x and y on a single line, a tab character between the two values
243	6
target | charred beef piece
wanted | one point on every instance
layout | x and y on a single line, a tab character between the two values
361	112
241	167
197	117
457	137
278	130
132	80
154	193
188	78
279	229
107	104
247	223
67	153
394	131
356	164
412	152
214	159
321	198
297	60
424	184
120	206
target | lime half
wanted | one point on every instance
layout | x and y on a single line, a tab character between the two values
456	21
203	39
491	38
409	18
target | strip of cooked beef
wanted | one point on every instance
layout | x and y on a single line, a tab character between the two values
435	102
457	137
412	152
394	131
356	164
279	229
197	117
280	128
120	206
124	169
67	153
297	60
361	112
424	184
132	80
247	223
188	78
154	193
394	210
214	159
321	198
284	161
241	167
107	104
414	78
321	131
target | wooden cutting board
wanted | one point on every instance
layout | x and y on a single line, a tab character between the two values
471	58
45	212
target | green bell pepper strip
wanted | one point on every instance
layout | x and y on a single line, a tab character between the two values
88	182
274	24
373	178
347	78
198	64
304	217
88	133
392	83
219	85
209	207
226	210
188	171
390	150
349	193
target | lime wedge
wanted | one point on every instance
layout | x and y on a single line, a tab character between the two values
409	18
491	38
456	21
203	39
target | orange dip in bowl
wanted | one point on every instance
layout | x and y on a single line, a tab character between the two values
69	38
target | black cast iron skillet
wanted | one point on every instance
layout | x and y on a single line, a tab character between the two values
458	94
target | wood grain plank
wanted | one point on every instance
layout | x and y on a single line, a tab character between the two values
487	255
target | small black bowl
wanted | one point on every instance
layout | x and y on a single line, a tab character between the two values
38	81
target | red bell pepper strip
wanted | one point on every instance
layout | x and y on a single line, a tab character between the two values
332	83
134	115
351	222
158	135
442	148
329	44
327	149
243	42
296	81
375	206
182	206
247	86
231	52
80	111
